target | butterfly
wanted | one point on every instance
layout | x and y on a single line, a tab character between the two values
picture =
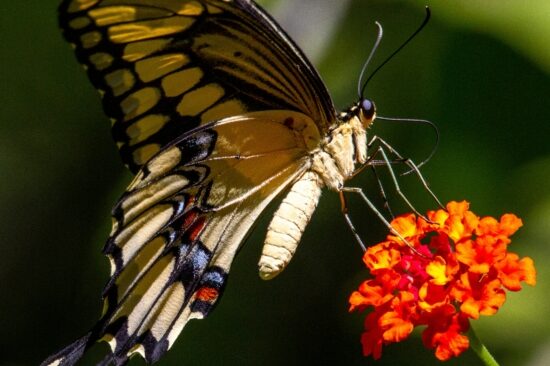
217	112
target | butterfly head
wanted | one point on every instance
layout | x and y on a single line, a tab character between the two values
367	112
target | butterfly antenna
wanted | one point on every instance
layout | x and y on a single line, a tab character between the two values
360	87
419	121
426	20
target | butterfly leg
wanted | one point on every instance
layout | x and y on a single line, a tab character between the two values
383	145
372	161
364	197
345	212
382	192
386	162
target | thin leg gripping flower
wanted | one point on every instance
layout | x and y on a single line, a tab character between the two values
462	273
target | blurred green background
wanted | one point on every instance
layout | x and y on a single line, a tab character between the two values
480	70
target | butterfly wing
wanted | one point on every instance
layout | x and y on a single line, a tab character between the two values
165	67
248	109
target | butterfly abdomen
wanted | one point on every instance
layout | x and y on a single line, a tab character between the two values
288	224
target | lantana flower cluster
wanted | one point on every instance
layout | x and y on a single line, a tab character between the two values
458	270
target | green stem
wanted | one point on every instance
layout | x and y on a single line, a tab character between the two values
480	349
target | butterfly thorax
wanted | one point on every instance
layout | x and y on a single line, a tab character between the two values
344	147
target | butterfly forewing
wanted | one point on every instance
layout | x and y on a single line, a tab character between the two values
166	67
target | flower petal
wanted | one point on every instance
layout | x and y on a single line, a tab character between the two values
513	271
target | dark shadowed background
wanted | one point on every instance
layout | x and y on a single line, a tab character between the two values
480	70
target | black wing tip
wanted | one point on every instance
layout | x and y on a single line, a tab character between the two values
69	355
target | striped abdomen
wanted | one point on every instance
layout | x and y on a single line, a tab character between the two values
288	224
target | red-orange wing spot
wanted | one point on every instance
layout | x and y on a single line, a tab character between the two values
207	294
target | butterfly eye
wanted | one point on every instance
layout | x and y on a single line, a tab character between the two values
368	111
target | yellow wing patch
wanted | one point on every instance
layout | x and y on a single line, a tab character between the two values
193	8
199	99
233	107
101	60
120	81
139	102
145	127
90	39
138	50
154	67
181	81
79	23
147	29
118	14
182	7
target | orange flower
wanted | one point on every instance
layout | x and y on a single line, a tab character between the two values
461	273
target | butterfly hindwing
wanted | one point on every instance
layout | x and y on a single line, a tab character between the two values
165	67
181	222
